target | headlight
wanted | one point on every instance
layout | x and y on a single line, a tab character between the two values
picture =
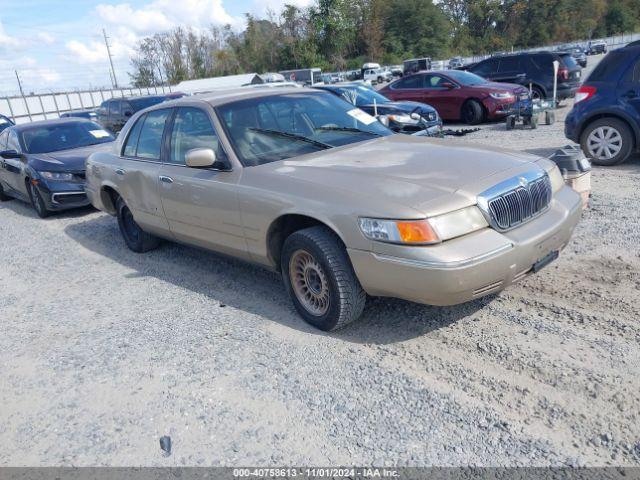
501	95
56	175
424	232
557	182
403	119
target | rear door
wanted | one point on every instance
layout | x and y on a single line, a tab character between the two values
407	88
629	88
137	176
487	68
510	70
200	204
115	115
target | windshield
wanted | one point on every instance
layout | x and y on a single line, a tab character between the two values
568	60
360	95
277	127
140	103
64	136
466	78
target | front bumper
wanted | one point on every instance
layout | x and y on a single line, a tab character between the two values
62	195
468	267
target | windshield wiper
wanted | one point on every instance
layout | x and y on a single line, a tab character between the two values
292	136
348	129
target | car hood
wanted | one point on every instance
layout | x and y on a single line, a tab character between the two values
66	160
405	107
405	170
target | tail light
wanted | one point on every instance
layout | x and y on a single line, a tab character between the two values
563	73
585	92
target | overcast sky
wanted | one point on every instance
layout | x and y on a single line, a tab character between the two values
58	44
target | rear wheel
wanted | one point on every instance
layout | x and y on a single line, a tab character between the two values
472	112
36	200
607	141
320	280
136	239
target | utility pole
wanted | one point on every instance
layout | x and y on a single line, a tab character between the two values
113	71
26	105
19	83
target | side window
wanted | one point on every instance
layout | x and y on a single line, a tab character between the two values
104	108
132	140
150	140
192	129
434	82
114	107
3	139
13	143
413	81
126	108
485	68
509	64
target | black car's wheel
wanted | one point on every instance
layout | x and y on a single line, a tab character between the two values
537	93
607	141
136	239
320	280
36	200
472	112
3	196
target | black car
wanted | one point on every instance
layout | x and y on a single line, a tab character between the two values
114	113
398	114
578	54
533	69
597	47
88	114
5	122
605	119
42	163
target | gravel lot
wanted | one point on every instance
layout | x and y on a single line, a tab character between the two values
104	351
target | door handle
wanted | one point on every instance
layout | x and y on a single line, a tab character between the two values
165	179
120	171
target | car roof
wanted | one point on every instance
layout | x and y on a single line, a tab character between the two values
46	123
221	97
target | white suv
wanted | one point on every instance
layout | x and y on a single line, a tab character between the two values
377	75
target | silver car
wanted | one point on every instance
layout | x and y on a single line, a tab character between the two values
303	183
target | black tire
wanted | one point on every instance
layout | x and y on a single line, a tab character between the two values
537	93
472	112
36	200
3	196
511	122
380	80
534	122
136	239
550	117
626	142
345	298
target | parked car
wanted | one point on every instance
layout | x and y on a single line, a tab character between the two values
398	114
377	75
5	122
456	62
42	163
533	69
416	65
438	65
88	114
457	95
577	53
302	183
605	119
396	70
115	112
304	76
596	47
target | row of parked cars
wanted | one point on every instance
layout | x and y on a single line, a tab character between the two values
305	183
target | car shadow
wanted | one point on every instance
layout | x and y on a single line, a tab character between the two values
231	282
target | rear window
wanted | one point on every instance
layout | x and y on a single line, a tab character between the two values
609	68
568	60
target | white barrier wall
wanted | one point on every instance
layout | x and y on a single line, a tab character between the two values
48	106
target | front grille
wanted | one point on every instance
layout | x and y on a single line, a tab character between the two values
524	198
69	198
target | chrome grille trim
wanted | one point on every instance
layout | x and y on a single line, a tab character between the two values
516	201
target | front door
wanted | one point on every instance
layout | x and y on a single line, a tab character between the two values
445	100
200	204
13	168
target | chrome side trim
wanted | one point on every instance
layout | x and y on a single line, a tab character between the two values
444	265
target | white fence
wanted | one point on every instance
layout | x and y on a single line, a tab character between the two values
50	105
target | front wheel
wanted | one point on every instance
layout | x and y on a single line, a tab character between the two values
36	200
607	141
320	280
136	239
3	196
472	113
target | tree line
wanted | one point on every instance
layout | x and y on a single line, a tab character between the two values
343	34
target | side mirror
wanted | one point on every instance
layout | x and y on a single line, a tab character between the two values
10	154
200	158
128	113
448	85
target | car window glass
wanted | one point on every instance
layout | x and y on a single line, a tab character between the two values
104	108
434	81
414	81
12	142
633	73
114	107
126	107
150	140
485	68
192	129
132	140
509	64
609	67
3	139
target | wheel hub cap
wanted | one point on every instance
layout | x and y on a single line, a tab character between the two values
604	143
309	282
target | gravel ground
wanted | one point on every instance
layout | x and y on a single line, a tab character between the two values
104	351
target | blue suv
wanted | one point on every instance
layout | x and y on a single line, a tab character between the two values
605	119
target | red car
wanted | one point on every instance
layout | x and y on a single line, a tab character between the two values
457	95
